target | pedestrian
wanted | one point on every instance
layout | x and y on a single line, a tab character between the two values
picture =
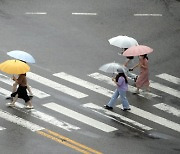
128	64
21	91
122	86
143	78
14	88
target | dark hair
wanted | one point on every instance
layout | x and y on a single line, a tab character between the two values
130	57
145	56
119	75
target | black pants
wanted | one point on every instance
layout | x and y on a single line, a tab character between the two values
22	93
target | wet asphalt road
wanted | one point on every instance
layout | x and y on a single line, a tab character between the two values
78	45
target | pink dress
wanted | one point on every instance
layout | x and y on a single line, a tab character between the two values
143	78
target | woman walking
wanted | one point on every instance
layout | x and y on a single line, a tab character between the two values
21	91
143	78
122	86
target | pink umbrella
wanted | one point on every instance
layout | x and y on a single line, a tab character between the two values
137	50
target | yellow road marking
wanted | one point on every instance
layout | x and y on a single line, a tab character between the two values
68	142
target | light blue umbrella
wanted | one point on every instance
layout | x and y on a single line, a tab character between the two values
21	55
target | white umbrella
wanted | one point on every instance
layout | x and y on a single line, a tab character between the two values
21	55
123	41
110	67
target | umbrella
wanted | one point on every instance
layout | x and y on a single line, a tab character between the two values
14	67
110	67
137	50
123	41
21	55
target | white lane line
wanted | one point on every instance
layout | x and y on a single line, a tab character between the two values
91	14
47	118
169	78
132	89
168	109
111	114
155	15
36	92
84	84
154	118
4	92
2	128
165	89
36	13
55	85
80	117
19	121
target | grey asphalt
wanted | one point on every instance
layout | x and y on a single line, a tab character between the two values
78	45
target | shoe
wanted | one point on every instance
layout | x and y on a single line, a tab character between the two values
135	79
9	97
108	107
29	107
135	93
125	109
10	105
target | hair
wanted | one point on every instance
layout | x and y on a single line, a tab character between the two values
130	57
145	56
123	75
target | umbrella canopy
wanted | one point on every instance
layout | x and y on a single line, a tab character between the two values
137	50
14	67
110	67
21	55
123	41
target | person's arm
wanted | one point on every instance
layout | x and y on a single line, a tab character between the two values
144	65
19	80
131	69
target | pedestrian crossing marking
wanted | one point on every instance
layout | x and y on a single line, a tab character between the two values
151	117
165	89
55	85
2	128
49	119
169	78
168	109
111	114
36	92
84	84
19	121
132	89
80	117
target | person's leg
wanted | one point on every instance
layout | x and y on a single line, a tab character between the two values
13	101
29	89
113	99
29	104
14	88
124	100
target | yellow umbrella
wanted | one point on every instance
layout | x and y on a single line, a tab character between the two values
14	67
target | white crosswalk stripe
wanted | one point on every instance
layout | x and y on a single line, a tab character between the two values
97	108
154	118
168	109
132	89
55	85
36	92
84	84
49	119
165	89
42	116
169	78
19	121
80	117
2	128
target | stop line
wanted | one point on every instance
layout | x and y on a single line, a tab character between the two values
93	107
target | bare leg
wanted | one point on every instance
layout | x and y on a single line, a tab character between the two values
14	100
14	88
29	89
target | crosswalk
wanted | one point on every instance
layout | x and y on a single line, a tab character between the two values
165	108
